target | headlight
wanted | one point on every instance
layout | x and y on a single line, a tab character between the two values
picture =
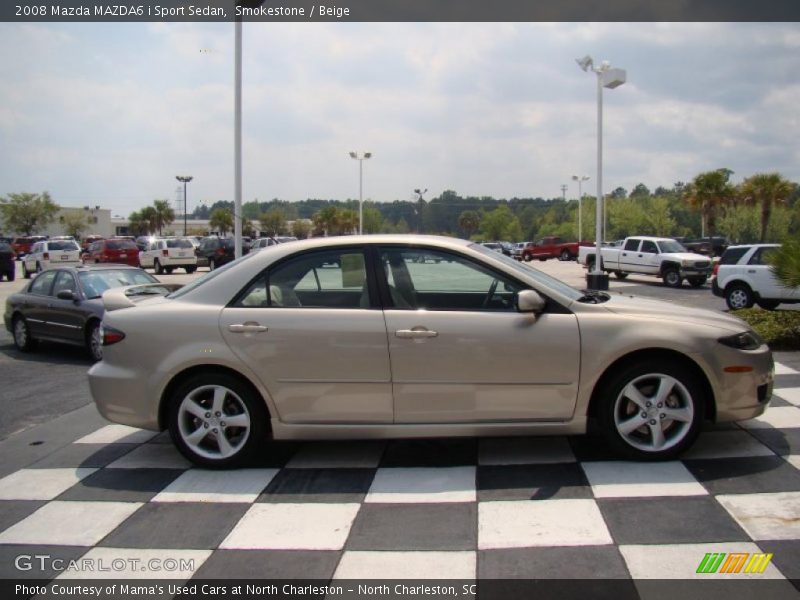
748	340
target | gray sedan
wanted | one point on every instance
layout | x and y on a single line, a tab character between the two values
356	337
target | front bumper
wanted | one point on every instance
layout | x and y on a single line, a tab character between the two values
743	395
692	272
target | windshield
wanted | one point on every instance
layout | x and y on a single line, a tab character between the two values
94	283
671	246
208	277
65	245
546	280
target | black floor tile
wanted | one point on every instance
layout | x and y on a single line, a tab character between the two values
84	455
121	485
269	564
19	561
532	482
750	475
319	485
431	453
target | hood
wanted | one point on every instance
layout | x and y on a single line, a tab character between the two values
667	311
686	256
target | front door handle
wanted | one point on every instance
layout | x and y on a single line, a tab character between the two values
249	327
415	333
751	270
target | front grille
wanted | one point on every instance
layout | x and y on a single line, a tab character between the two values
702	264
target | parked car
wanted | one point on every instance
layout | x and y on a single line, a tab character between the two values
48	254
660	257
523	250
167	254
115	250
8	265
493	246
282	343
64	304
744	277
89	240
22	245
551	247
265	242
215	251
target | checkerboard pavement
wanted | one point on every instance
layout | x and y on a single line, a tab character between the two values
550	507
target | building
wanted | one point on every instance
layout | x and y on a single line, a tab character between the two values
97	221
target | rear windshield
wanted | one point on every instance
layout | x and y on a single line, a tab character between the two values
731	256
96	282
121	245
65	245
179	244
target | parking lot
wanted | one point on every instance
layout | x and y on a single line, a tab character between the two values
74	486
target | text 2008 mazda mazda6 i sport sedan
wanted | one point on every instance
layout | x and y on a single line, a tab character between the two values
416	336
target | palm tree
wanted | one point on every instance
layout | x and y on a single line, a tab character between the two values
786	264
707	192
137	224
164	215
326	220
766	190
469	221
347	221
221	220
149	216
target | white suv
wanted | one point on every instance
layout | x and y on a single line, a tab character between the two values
744	277
164	255
50	254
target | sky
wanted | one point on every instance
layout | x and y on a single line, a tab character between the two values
108	114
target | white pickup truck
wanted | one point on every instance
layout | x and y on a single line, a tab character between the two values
660	257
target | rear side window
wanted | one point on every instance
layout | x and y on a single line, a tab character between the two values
121	245
732	255
762	256
632	245
43	282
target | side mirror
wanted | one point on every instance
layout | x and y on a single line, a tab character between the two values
530	301
65	295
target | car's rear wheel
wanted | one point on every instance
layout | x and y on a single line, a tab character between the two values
22	334
191	270
211	264
768	304
94	341
620	275
738	296
158	268
672	278
565	255
38	268
25	273
697	282
168	270
652	410
216	420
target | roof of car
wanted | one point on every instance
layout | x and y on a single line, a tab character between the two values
753	245
98	267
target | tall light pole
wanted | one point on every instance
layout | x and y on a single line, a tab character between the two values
184	179
609	78
580	179
360	157
418	208
564	187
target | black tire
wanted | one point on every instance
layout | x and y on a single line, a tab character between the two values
168	270
93	344
769	304
738	296
620	275
190	270
686	398
21	333
25	273
211	264
38	268
697	282
157	266
238	394
527	258
565	255
11	275
672	278
590	265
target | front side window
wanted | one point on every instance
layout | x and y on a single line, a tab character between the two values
435	280
326	279
649	247
64	281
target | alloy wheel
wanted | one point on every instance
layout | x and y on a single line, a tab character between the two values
214	422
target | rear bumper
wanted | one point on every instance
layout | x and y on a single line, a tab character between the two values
715	289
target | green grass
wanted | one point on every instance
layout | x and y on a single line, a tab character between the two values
779	328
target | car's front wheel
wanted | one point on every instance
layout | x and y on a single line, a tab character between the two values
158	268
565	255
94	341
22	335
672	278
217	421
697	282
652	410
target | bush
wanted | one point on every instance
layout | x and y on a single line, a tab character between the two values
779	328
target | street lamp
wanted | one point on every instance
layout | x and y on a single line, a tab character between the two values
184	179
418	207
580	179
564	188
360	158
609	78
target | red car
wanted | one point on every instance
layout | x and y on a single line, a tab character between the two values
22	245
122	252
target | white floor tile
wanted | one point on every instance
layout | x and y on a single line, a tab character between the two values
152	456
781	417
794	460
117	434
680	561
415	485
198	485
524	451
407	565
353	455
774	516
518	524
789	394
781	369
69	523
40	484
136	563
726	444
293	527
621	479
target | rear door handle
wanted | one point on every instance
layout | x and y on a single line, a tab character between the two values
751	270
415	333
248	327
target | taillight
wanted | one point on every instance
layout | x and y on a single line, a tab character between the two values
165	252
46	256
110	335
220	251
715	270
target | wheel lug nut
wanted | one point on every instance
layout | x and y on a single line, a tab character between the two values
208	415
649	404
652	421
205	425
662	416
660	404
214	430
218	414
644	415
222	424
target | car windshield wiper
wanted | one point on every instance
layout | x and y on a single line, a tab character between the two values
594	297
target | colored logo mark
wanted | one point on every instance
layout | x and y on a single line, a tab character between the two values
734	562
